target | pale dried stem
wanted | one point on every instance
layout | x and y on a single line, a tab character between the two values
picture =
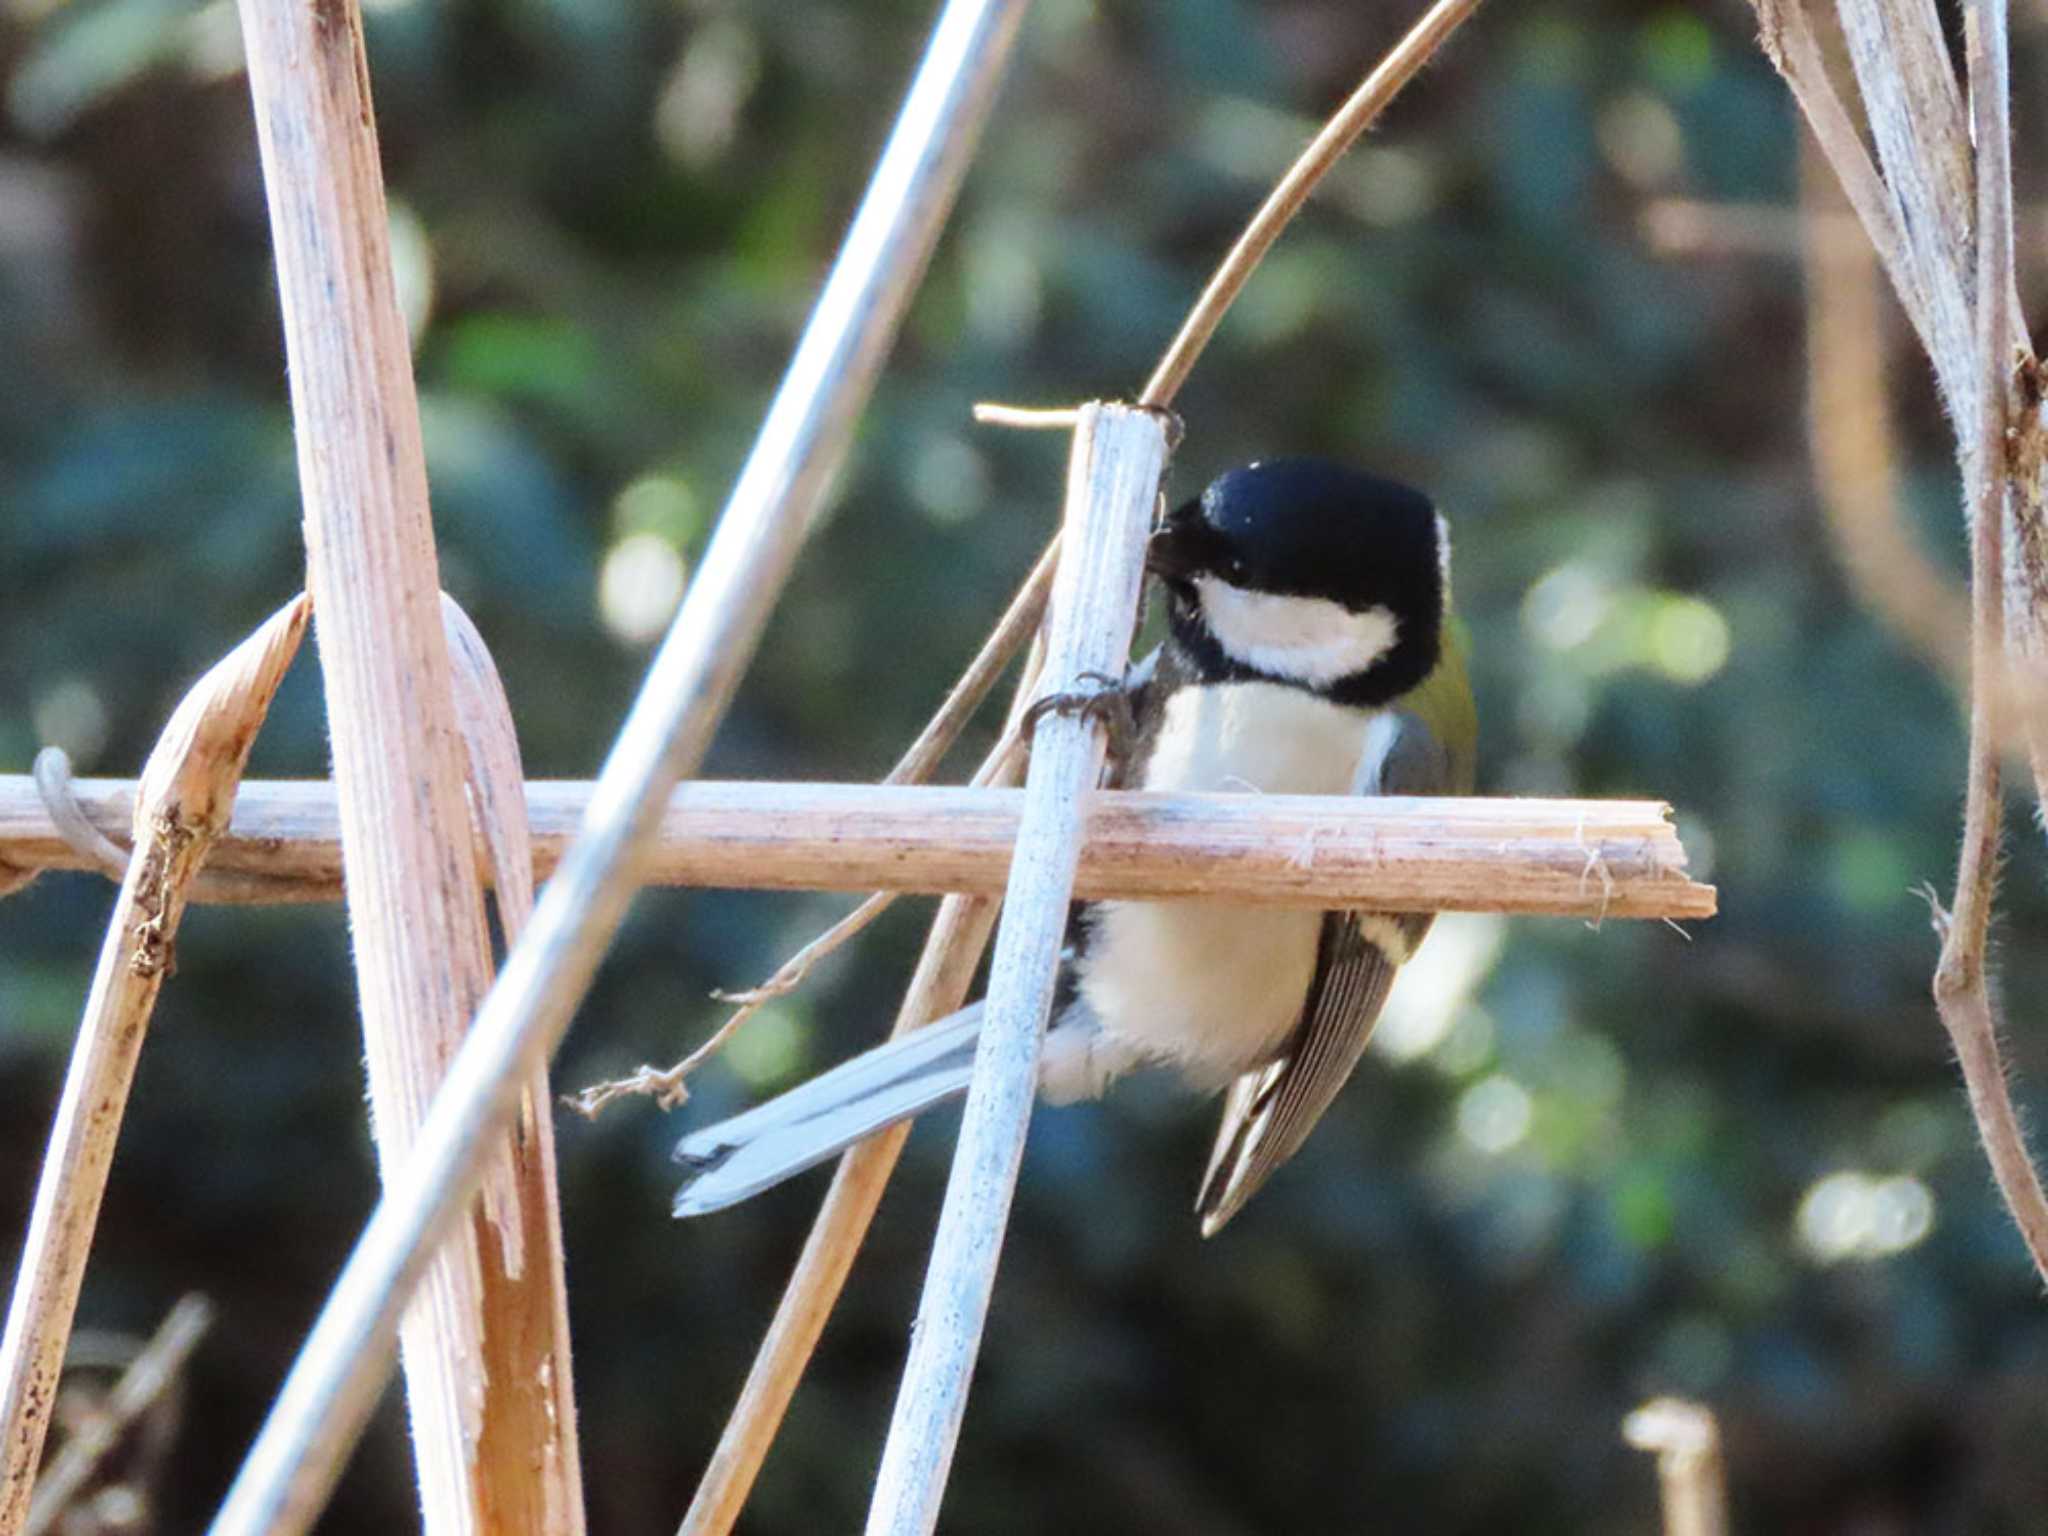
149	1376
531	1411
945	970
1435	853
332	1385
1687	1444
182	804
417	921
1117	465
1789	42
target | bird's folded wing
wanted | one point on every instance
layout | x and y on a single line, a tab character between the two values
1268	1112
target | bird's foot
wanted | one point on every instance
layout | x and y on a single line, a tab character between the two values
1108	704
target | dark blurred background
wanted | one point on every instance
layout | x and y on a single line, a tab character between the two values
1581	1166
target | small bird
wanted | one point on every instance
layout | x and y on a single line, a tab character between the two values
1309	650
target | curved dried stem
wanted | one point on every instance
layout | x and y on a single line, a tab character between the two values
1358	113
182	803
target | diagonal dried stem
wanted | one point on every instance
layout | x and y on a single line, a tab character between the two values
182	803
1788	41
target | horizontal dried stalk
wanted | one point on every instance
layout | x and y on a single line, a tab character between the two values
1581	858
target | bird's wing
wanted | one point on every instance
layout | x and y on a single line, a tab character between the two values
1269	1111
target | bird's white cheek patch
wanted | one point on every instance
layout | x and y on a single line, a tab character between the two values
1306	638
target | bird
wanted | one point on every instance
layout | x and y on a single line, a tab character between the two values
1309	649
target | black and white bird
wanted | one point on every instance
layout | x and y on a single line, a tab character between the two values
1309	651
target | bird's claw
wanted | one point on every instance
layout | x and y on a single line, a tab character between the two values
1109	705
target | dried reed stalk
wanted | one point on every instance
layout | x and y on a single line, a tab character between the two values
486	1459
1118	463
1565	858
182	803
328	1394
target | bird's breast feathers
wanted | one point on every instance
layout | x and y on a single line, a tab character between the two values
1207	986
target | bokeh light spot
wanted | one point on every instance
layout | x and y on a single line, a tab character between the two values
1856	1215
1494	1113
1433	987
412	269
71	715
1688	638
1641	140
662	504
768	1048
948	480
1566	606
639	587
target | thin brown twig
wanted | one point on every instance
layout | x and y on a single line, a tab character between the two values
1400	65
666	1085
1961	984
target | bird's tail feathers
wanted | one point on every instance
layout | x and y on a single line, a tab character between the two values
727	1162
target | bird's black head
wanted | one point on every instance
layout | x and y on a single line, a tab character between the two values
1305	572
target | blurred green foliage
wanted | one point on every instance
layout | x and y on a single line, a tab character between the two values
1585	1165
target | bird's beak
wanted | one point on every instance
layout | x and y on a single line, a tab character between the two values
1176	550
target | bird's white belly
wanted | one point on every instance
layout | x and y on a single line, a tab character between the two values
1210	987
